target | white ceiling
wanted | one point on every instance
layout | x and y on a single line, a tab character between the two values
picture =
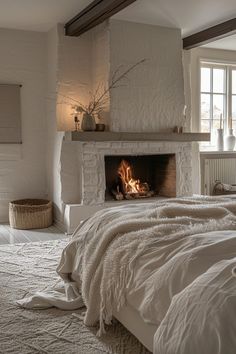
38	15
227	43
189	15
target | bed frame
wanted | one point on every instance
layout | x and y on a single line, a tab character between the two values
131	319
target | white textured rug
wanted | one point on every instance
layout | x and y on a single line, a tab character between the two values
47	331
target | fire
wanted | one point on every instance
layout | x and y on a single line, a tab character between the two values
130	184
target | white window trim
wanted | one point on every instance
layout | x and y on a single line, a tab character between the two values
208	62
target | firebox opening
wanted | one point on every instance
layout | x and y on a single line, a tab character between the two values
145	176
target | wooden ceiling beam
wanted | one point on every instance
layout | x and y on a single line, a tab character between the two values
95	13
210	34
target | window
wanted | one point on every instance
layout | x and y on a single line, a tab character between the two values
217	96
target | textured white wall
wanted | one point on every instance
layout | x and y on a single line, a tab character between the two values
54	138
100	65
83	68
23	167
73	76
152	98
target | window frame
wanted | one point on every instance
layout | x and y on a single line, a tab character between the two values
227	104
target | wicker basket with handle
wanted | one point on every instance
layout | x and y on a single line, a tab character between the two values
30	214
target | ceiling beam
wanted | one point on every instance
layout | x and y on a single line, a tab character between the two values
95	13
210	34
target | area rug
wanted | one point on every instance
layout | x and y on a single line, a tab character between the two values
26	268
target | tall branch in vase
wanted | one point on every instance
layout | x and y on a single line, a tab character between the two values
98	101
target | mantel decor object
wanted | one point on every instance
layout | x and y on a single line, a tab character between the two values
100	127
88	122
220	139
230	141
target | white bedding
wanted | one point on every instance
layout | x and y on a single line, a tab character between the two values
173	261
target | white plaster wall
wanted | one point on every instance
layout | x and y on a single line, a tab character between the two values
83	69
186	60
54	138
73	76
74	79
152	98
23	167
100	66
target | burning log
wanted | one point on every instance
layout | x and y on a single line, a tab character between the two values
131	188
117	194
148	194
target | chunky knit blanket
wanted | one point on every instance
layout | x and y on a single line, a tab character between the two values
99	266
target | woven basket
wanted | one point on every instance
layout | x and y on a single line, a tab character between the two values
30	214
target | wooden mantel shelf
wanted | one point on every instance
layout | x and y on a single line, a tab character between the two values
125	136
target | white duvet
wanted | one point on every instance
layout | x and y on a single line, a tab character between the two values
174	261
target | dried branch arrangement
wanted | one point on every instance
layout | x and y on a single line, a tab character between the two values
98	101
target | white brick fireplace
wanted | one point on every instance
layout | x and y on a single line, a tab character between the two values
151	101
84	187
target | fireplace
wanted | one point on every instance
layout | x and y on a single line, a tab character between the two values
89	170
137	177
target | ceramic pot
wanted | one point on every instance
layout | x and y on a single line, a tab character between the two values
88	122
100	127
220	140
230	141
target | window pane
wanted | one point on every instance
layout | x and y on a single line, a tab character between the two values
205	79
205	106
234	126
234	107
218	106
234	81
216	124
218	80
205	126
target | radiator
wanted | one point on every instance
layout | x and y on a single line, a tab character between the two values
223	170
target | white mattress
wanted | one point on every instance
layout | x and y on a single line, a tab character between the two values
131	319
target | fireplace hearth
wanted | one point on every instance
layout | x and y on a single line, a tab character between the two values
137	177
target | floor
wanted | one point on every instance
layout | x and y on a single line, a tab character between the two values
9	235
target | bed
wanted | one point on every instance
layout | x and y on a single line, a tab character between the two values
166	271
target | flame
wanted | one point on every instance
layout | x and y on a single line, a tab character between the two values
130	184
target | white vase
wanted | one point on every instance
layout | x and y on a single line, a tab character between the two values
230	141
220	140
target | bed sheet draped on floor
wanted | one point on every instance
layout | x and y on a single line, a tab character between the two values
174	261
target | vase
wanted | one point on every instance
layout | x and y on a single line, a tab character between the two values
220	140
88	122
230	141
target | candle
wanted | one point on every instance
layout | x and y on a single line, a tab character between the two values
230	123
221	121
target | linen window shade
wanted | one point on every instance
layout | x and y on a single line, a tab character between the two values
10	114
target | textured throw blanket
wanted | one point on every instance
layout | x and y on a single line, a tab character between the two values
152	251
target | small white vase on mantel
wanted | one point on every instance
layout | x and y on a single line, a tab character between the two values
230	141
220	140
